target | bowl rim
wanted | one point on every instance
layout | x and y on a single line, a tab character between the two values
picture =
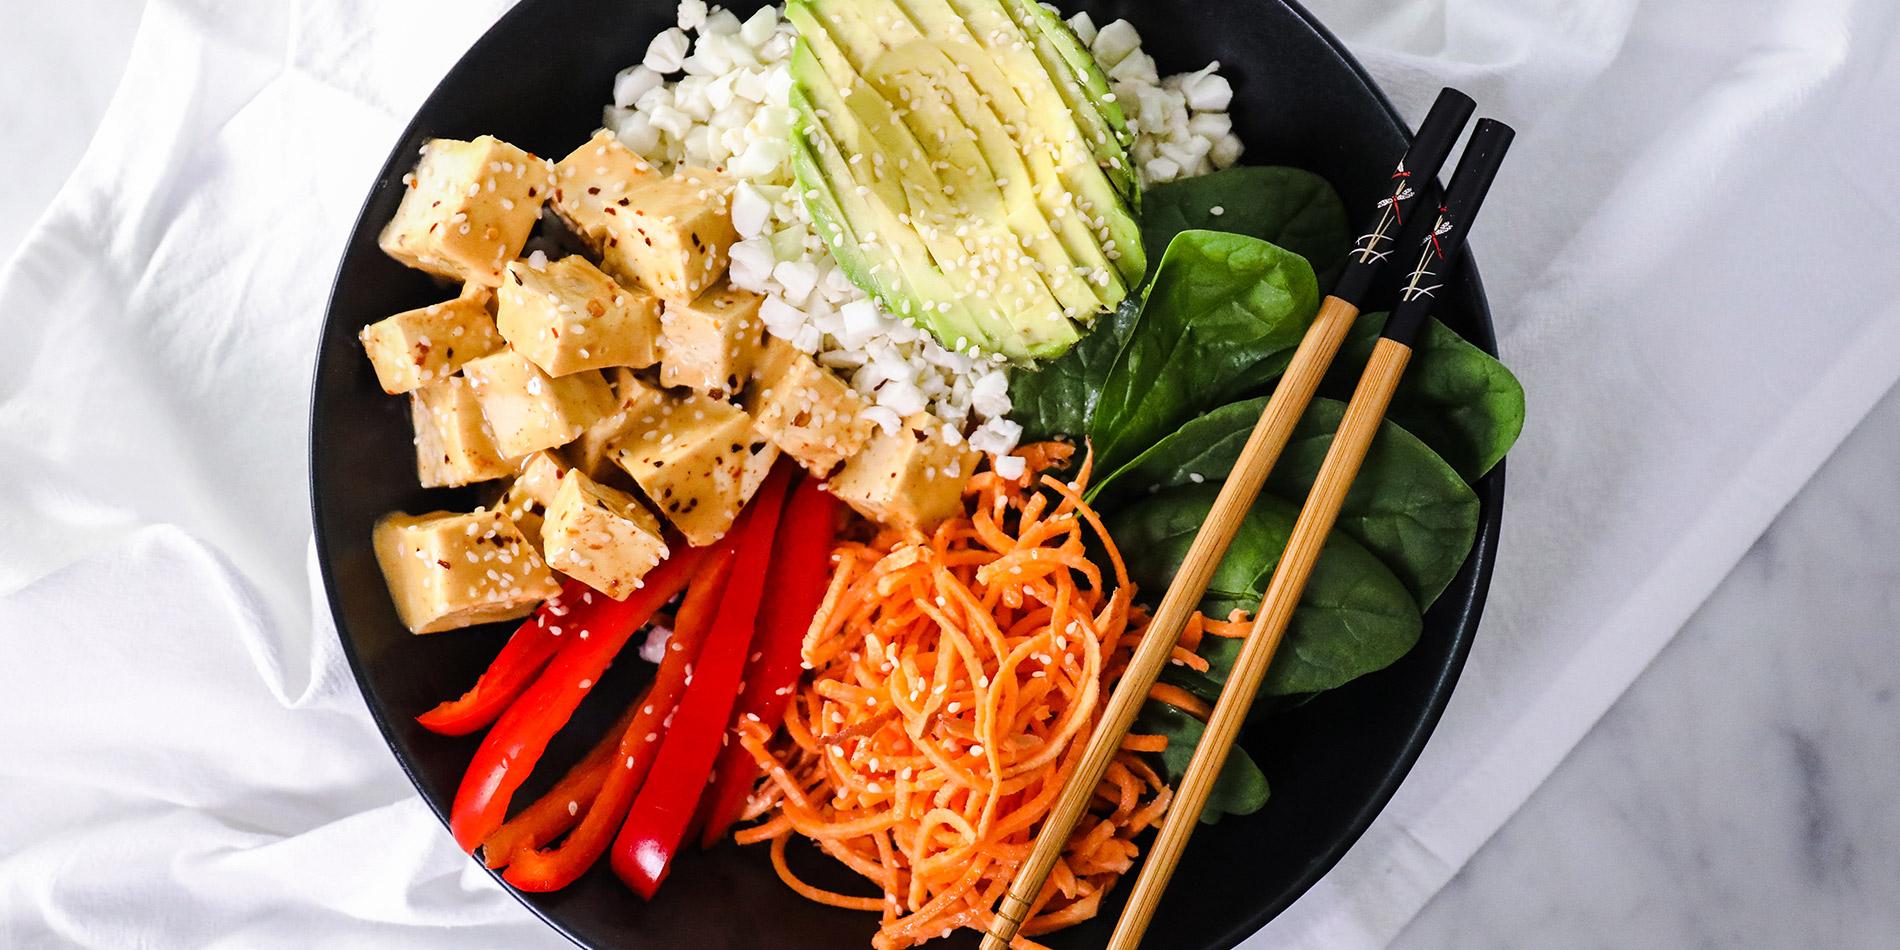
1462	630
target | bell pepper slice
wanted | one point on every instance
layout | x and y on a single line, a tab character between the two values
656	824
554	813
794	587
635	744
520	660
597	628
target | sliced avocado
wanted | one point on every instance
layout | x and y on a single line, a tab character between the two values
891	261
949	126
1079	80
866	128
1015	322
1027	103
1110	198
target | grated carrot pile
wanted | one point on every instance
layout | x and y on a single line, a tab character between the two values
956	680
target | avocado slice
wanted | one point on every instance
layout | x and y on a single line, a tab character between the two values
1110	199
1029	168
1015	315
879	252
1085	87
1078	78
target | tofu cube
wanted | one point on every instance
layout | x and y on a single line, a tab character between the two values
453	444
567	316
669	235
600	536
592	452
447	569
809	413
539	477
596	177
522	509
678	237
710	345
468	209
421	346
527	409
698	459
910	479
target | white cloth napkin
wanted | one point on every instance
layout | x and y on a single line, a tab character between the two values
1689	257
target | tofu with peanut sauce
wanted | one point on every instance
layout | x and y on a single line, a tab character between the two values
668	234
912	478
592	452
453	444
566	316
699	460
420	346
468	209
709	345
601	536
528	410
809	413
447	569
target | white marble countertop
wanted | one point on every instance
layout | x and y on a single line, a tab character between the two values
1740	795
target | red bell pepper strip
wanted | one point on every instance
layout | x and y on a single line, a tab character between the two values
597	628
525	653
550	816
636	744
656	824
801	570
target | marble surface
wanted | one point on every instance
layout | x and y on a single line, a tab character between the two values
1739	795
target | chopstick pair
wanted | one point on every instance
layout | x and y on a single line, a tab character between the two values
1405	223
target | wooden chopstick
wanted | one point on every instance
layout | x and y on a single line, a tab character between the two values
1289	400
1439	246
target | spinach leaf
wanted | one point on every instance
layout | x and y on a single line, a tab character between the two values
1354	617
1222	317
1294	209
1240	789
1058	398
1456	398
1408	507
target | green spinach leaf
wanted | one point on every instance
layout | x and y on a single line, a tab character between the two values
1222	317
1241	787
1354	617
1456	398
1058	398
1407	506
1292	208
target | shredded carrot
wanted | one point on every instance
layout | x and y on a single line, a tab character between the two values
1135	742
1181	699
956	677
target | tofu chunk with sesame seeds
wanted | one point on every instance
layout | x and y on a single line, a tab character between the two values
911	478
528	410
809	413
698	459
600	536
596	177
423	345
710	345
567	316
678	236
447	569
592	452
453	444
526	512
468	209
539	476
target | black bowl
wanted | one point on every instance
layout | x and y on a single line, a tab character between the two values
538	79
